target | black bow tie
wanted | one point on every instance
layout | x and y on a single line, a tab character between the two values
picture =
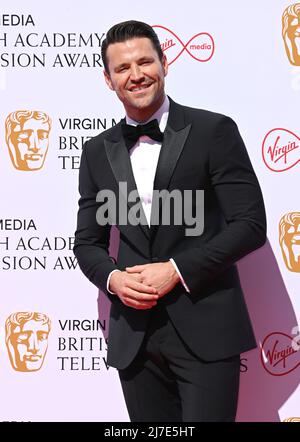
131	134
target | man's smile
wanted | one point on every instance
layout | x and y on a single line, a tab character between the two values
139	88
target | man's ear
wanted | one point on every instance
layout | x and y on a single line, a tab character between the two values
108	80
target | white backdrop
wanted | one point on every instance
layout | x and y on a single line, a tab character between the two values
248	77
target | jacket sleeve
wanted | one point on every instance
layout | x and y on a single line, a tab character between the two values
91	239
241	202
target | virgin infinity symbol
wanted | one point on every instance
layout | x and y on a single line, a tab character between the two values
205	45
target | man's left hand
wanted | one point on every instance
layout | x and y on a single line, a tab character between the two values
160	275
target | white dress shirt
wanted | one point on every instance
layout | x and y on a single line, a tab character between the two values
144	157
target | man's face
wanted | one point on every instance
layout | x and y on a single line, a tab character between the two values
294	27
294	32
292	249
137	75
28	345
291	36
30	142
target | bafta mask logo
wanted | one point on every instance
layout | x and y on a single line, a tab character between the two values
291	33
26	337
289	238
27	138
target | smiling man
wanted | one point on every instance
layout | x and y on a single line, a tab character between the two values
136	73
178	319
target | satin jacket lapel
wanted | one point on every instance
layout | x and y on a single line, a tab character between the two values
119	160
175	136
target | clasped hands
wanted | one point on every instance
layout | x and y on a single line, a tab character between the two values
141	286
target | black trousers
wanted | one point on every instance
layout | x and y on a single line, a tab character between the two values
166	382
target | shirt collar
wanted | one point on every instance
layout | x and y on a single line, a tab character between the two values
161	115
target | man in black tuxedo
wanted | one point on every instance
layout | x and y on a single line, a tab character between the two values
178	319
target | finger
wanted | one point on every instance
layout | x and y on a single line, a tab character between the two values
140	296
139	305
136	269
137	276
143	288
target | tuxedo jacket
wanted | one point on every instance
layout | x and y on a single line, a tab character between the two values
200	150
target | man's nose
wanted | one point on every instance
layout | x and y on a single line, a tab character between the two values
34	142
33	343
136	73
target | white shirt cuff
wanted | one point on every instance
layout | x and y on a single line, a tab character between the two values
179	274
108	279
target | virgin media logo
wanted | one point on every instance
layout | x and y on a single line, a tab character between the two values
280	150
200	47
280	353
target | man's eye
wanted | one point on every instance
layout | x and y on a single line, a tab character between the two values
22	338
22	137
43	135
43	336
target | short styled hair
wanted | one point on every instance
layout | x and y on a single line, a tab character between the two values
292	11
20	318
126	31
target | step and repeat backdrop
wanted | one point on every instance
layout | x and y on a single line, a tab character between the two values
237	58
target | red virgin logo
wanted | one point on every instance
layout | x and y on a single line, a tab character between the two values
280	150
280	354
200	47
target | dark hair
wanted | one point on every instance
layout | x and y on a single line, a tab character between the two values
126	31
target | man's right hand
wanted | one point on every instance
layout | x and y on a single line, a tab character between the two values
132	292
